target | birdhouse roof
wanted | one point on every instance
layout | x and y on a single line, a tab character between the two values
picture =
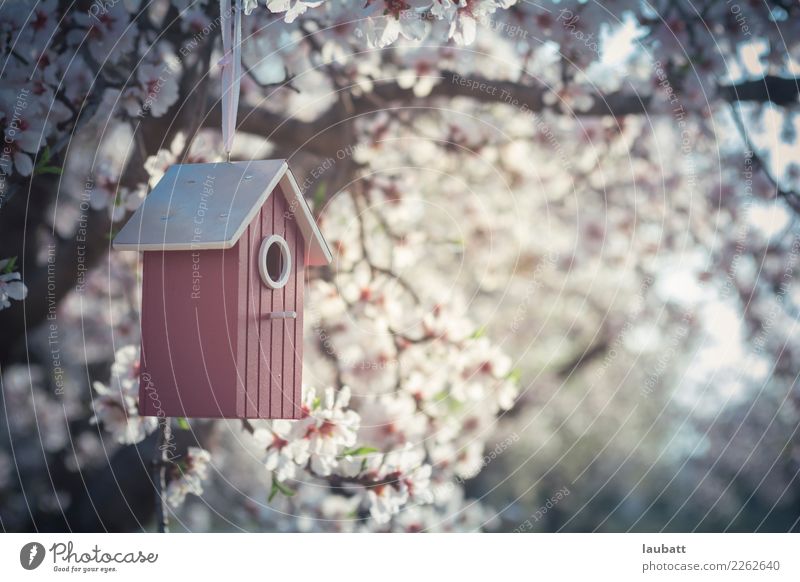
209	206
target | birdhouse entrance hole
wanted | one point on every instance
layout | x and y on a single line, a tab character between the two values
274	261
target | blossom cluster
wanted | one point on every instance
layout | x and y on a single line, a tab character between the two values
116	405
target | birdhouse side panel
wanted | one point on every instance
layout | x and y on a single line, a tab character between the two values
272	317
265	335
190	333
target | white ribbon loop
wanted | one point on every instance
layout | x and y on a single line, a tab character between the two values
231	63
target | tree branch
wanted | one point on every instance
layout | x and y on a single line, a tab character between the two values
778	90
324	135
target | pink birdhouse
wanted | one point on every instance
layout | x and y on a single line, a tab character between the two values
225	246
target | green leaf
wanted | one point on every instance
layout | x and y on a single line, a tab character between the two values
43	165
444	397
319	196
45	157
480	332
11	266
48	170
183	423
316	403
515	375
359	451
278	487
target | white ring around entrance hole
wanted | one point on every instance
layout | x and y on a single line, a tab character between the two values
286	260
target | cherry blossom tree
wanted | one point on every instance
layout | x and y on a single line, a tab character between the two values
565	243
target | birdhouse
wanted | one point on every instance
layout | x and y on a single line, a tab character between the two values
224	248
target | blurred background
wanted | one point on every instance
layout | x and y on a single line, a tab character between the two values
563	295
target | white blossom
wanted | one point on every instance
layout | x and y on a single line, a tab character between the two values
292	8
11	285
191	471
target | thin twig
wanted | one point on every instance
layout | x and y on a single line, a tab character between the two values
161	461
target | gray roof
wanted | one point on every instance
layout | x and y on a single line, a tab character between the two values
209	206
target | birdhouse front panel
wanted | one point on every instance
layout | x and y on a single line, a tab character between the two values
222	290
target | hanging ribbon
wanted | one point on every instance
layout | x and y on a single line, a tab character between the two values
231	63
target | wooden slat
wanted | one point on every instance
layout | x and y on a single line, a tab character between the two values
277	326
289	325
265	327
253	311
243	250
299	286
